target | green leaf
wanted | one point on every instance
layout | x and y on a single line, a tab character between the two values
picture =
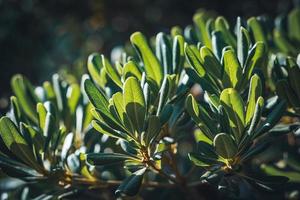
206	149
202	161
178	54
225	145
134	103
50	130
153	128
256	115
111	72
166	114
193	57
294	24
200	22
97	98
272	118
37	139
25	94
205	83
48	88
283	44
294	74
255	91
14	141
190	35
210	62
284	91
131	185
194	111
256	58
291	175
106	130
243	44
234	106
110	120
105	158
222	25
175	31
118	103
17	169
257	30
213	100
164	52
164	92
60	93
73	95
42	112
232	69
94	66
67	144
16	110
131	69
218	43
200	136
224	120
152	66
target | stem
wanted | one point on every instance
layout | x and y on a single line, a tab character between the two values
111	183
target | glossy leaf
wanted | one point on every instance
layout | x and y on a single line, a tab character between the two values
256	30
16	143
243	44
255	59
25	94
232	69
152	66
131	185
134	103
200	22
178	54
272	118
131	69
105	158
94	66
193	57
213	65
111	71
202	161
225	146
194	111
222	25
255	91
234	106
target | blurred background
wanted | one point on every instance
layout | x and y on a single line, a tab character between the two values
40	37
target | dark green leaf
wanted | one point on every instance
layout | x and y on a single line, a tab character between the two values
193	57
16	143
225	146
106	158
131	185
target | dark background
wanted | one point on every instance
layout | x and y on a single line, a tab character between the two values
39	37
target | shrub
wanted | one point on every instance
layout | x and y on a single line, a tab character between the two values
202	112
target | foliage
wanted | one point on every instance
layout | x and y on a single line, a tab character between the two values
191	109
